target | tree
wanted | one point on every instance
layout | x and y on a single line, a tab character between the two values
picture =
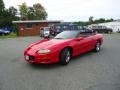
2	13
30	14
81	23
12	11
39	12
109	20
23	11
7	16
2	7
101	20
6	19
91	19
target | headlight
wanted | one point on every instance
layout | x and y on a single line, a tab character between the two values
43	51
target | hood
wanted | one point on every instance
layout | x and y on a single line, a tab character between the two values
46	44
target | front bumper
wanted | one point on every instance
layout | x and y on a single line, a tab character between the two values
41	59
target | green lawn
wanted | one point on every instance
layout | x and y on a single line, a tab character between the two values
12	35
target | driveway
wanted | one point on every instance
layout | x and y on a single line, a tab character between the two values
91	71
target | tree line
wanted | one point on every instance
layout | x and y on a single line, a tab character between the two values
92	21
7	15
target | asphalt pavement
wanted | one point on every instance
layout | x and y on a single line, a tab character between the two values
90	71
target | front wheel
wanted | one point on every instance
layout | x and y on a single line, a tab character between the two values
65	56
97	47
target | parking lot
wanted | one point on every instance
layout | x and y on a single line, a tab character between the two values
91	71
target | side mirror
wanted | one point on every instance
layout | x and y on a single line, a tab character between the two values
79	39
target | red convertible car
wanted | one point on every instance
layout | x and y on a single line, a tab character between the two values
63	47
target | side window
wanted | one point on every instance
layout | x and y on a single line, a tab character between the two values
81	34
89	32
79	27
29	25
85	33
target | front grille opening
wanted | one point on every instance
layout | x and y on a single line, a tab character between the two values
31	57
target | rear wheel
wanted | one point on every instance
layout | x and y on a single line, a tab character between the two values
97	47
65	56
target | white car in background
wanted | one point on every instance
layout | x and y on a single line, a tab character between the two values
46	32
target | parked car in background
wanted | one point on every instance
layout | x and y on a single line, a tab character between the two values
63	47
45	32
4	32
58	28
101	29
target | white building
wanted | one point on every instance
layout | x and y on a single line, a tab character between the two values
115	25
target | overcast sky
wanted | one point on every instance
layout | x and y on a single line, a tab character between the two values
74	10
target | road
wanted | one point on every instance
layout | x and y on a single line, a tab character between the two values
91	71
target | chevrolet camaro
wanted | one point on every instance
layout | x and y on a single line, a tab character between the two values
63	47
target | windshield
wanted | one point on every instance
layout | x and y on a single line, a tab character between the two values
46	29
67	35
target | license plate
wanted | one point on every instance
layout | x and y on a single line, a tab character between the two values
27	57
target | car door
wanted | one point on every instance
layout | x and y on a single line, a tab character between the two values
79	45
84	43
89	42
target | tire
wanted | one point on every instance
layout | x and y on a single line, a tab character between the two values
97	47
109	32
65	56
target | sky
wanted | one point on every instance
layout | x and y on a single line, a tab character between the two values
74	10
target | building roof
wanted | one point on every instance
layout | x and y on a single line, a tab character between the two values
37	21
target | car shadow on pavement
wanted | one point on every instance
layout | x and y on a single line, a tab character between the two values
44	66
86	56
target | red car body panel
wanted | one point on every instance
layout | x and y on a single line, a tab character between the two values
79	45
